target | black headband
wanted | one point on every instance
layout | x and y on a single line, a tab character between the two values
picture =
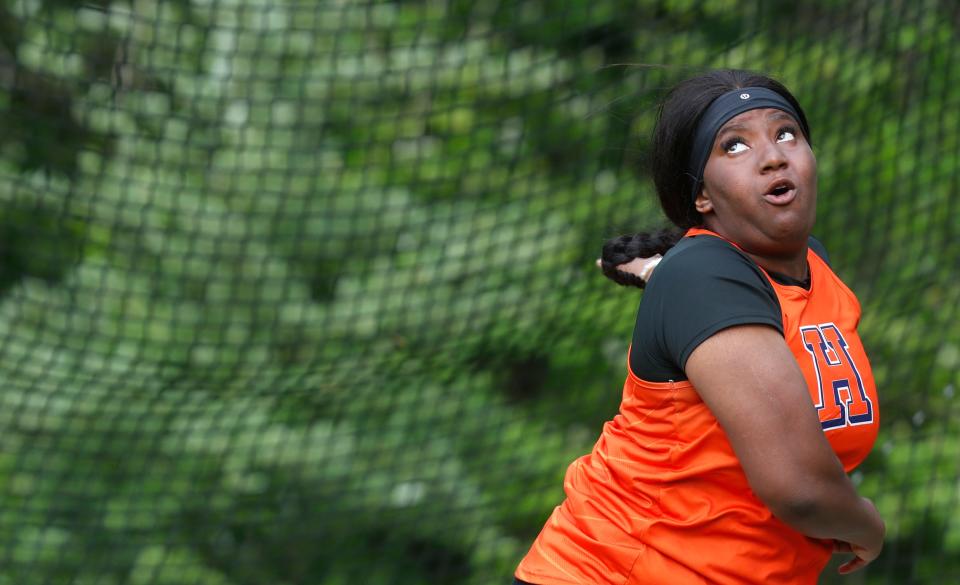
719	112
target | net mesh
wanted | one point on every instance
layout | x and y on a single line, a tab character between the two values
303	292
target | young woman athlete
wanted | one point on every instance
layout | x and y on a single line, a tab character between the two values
748	395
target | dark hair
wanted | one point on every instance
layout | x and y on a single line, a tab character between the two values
679	114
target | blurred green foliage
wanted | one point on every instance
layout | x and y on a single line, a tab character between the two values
304	293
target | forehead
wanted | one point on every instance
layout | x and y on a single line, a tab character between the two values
755	117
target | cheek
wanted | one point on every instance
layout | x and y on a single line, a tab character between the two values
808	164
731	191
721	183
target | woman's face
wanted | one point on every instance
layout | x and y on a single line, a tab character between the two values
760	183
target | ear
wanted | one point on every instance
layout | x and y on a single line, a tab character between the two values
703	203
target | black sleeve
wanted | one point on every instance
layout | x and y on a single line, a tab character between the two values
703	285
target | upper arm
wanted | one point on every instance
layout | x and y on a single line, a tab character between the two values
753	385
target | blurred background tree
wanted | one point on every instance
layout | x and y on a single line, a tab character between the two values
303	292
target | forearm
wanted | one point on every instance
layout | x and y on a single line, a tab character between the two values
829	507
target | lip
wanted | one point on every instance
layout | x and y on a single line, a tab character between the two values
784	198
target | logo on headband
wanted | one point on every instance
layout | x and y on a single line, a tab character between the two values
744	96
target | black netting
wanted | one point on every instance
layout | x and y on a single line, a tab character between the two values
303	292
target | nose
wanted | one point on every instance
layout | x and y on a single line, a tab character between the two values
774	158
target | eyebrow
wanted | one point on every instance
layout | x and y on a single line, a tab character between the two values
780	115
730	128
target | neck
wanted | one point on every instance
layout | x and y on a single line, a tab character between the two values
794	266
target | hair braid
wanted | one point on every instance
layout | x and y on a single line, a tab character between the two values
623	249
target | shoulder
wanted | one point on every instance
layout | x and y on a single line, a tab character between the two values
702	258
711	274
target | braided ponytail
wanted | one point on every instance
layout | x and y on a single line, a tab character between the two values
623	249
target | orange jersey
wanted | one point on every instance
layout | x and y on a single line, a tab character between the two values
662	497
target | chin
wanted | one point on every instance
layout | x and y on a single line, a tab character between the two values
793	224
790	236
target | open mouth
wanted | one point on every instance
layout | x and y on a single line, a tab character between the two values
781	192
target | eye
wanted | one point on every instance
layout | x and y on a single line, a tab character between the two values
734	145
786	134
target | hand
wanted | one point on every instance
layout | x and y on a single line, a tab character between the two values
854	564
858	562
639	267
